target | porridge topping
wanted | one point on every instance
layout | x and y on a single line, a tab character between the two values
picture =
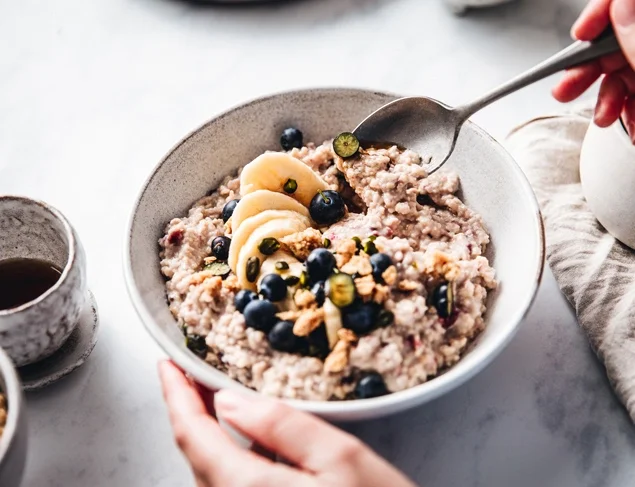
329	272
228	210
370	385
291	138
327	207
308	321
345	145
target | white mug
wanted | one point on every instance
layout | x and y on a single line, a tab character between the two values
607	172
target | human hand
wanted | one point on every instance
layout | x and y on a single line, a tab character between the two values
321	454
617	91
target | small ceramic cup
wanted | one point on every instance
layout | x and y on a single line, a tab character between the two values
607	173
37	329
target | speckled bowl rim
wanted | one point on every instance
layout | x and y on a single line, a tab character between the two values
70	262
15	403
340	410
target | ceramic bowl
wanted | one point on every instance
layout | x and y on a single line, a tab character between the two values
607	173
37	329
13	442
492	184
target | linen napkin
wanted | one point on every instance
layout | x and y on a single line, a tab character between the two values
595	272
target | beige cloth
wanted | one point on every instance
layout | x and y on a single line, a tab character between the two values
595	272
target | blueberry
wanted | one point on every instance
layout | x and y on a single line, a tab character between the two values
327	207
379	262
228	209
425	200
260	315
442	298
220	247
360	317
319	292
291	138
320	264
318	343
243	298
273	287
281	338
371	385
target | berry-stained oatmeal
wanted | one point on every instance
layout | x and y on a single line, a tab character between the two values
329	272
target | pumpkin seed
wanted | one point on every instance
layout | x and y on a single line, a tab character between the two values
358	242
252	268
370	248
304	279
196	344
281	265
292	281
290	186
221	269
269	246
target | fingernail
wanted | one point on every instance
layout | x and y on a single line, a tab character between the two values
624	12
228	401
598	115
631	131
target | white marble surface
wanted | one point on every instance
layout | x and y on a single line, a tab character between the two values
92	93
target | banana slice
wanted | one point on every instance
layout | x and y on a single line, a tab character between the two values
272	170
261	200
277	228
332	321
249	225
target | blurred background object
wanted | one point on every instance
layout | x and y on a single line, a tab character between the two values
460	6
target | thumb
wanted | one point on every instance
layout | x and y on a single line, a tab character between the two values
623	20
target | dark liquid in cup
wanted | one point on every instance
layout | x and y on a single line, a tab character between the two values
23	280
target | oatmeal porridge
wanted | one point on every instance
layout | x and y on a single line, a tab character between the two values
329	272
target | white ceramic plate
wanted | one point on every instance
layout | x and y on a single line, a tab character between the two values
492	184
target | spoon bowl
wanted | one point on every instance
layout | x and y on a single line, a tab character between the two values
425	125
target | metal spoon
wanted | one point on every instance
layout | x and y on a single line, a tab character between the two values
431	128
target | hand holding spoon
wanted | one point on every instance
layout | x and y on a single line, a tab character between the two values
431	128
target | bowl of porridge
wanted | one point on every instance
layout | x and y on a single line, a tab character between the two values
271	251
13	424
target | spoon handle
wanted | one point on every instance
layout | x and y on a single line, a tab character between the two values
579	52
